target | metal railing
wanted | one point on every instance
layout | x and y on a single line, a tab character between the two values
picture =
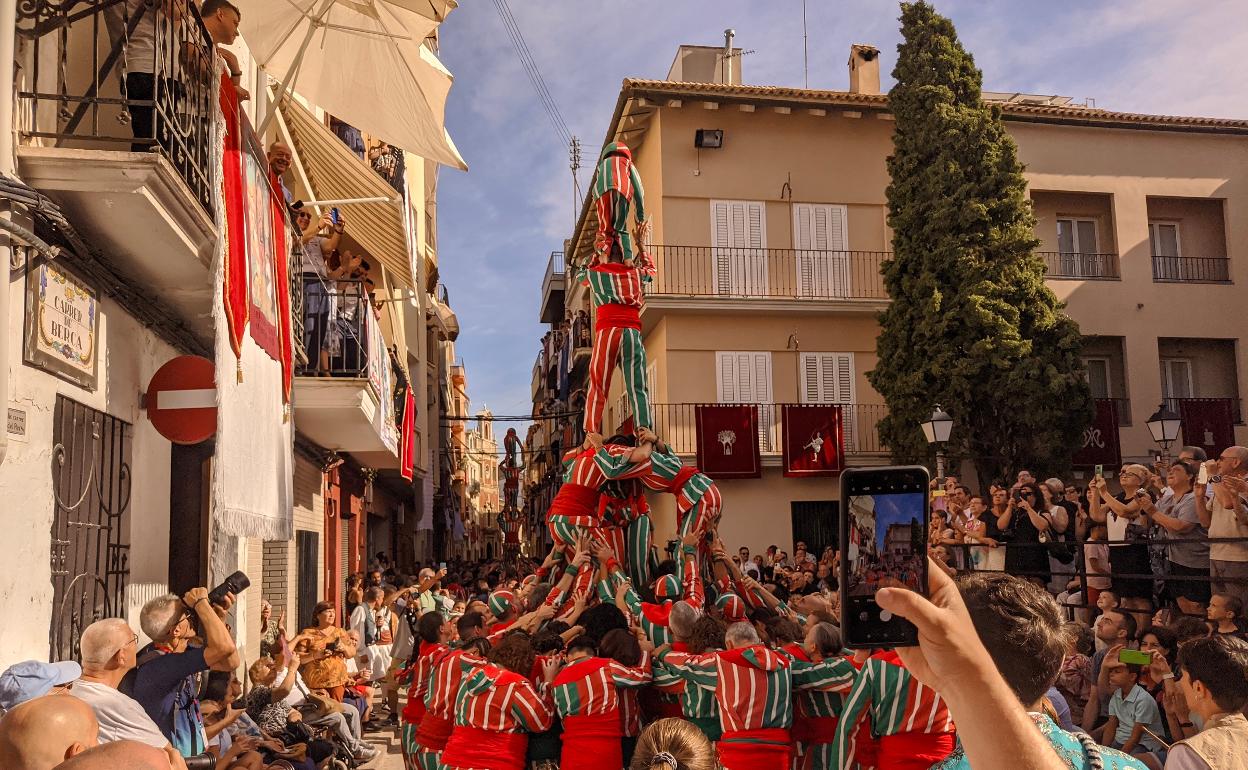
1237	413
1078	266
103	92
678	426
1124	410
336	329
778	273
1191	269
555	265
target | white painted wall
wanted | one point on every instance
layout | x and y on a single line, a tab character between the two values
129	355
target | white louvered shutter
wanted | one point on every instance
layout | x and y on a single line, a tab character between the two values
745	378
828	378
739	240
820	237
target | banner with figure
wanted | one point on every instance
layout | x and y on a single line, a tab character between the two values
728	441
1208	423
813	439
1100	439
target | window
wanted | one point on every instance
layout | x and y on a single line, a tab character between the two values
738	254
1176	378
745	378
820	238
1076	236
1163	239
828	378
1097	373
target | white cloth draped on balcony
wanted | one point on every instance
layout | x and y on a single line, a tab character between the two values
362	61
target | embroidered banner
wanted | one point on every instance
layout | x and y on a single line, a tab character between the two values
728	441
1100	439
407	443
234	292
1208	423
813	439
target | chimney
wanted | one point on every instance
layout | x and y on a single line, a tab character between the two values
864	69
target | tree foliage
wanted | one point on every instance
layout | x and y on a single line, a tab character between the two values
972	325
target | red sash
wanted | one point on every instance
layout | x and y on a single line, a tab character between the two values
617	317
592	741
767	748
683	475
477	748
913	751
573	501
434	731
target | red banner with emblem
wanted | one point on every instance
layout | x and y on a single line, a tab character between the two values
407	438
1208	423
237	303
1100	439
814	442
728	441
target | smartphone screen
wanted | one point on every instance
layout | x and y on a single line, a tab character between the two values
333	215
442	565
883	543
1202	475
1099	472
1134	656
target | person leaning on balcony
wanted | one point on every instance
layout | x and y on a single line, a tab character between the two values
319	242
1227	517
280	157
221	19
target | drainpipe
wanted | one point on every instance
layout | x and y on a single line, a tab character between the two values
8	36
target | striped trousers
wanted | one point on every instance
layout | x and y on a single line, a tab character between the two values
631	545
614	344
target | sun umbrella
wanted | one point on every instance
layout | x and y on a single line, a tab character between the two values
362	61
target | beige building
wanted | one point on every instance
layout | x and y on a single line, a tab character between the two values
769	236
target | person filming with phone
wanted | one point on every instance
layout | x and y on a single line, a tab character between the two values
1227	517
189	636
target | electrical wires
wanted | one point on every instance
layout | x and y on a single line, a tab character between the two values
535	74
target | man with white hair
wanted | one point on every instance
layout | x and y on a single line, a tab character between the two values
1226	516
696	704
165	679
108	649
753	686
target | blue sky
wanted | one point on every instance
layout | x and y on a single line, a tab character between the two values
499	222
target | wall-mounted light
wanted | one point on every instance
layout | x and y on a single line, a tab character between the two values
708	138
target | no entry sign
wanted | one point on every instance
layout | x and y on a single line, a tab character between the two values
182	400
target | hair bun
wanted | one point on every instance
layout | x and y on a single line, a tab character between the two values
665	758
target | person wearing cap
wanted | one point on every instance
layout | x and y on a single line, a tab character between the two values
613	586
43	732
108	650
31	679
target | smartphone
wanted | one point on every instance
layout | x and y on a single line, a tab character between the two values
441	565
1099	471
883	542
1202	475
334	216
1134	656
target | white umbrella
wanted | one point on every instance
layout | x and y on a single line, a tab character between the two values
361	60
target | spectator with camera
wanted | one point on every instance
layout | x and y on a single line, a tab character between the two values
1226	516
324	650
189	636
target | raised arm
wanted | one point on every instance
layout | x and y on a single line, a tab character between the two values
701	670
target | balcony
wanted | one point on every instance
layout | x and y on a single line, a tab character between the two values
1079	266
1191	270
553	285
1236	407
791	274
120	156
344	393
677	425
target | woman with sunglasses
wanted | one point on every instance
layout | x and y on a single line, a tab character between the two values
1127	524
1026	556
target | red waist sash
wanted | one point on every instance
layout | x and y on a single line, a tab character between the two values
592	741
434	731
574	501
767	748
913	751
474	747
683	475
414	711
814	729
617	317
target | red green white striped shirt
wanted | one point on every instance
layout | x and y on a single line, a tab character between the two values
495	699
753	685
591	686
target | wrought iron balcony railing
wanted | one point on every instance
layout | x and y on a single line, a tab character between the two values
1078	266
1191	270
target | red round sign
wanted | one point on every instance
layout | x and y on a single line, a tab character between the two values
182	399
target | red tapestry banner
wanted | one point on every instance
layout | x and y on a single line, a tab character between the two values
234	291
407	442
728	441
1100	439
277	206
814	442
1208	423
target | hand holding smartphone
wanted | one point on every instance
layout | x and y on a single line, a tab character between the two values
884	538
1136	657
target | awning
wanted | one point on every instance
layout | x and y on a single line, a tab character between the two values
337	173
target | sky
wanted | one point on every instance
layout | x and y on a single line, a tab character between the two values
498	223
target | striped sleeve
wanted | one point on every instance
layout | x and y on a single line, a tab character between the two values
639	195
702	670
631	598
830	675
692	582
613	461
857	705
632	676
532	710
667	680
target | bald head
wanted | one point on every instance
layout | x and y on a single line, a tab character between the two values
42	733
109	756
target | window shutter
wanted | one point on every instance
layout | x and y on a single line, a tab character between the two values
828	378
726	377
819	236
721	257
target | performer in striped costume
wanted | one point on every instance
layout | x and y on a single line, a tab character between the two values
617	189
434	633
624	515
509	522
617	296
588	701
574	512
439	718
754	689
613	586
510	469
698	503
497	707
912	724
696	704
822	676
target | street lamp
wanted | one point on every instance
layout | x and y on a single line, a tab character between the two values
937	428
1164	425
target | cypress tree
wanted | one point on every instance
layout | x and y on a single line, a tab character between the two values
972	325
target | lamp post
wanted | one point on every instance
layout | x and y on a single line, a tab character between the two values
937	428
1164	425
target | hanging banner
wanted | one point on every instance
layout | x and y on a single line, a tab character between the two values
380	377
813	439
1208	423
234	294
407	443
728	441
1100	439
